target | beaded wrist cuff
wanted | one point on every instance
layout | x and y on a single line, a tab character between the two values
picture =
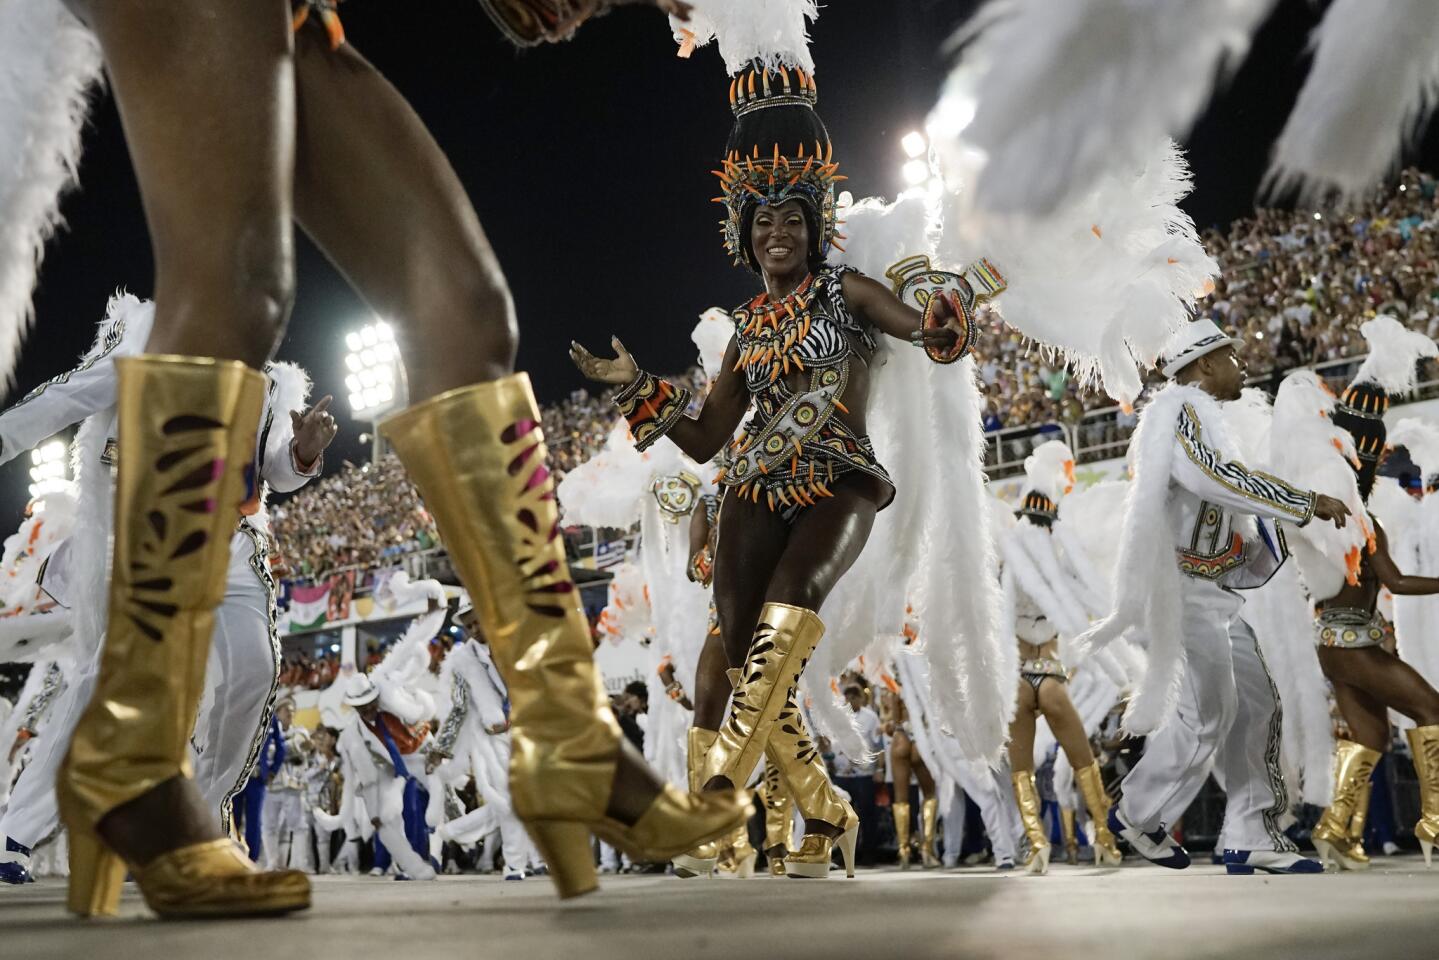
651	406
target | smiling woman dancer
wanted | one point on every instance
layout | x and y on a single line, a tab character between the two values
801	481
239	118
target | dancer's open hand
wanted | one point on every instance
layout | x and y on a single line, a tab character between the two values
1327	508
314	430
943	338
621	371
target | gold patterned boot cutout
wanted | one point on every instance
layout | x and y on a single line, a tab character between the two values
1027	799
929	839
793	751
477	457
1096	801
187	429
1424	742
1353	763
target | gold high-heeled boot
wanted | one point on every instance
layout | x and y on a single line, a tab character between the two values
778	819
1027	798
1424	742
900	809
1096	801
1353	763
929	841
701	861
187	430
783	641
793	751
1071	836
477	457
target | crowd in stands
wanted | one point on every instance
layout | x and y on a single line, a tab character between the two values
301	671
361	516
1296	283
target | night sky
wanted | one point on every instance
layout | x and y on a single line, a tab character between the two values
588	163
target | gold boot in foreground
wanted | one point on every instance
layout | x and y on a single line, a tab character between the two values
929	840
1353	763
702	860
1356	850
187	430
793	751
1424	742
1096	801
1071	838
900	810
783	641
1027	798
778	819
477	457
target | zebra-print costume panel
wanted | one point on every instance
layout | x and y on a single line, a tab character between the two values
1234	476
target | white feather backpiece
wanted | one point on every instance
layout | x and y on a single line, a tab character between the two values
1421	439
1394	355
603	491
775	32
1372	86
1105	280
925	422
711	338
49	64
1063	93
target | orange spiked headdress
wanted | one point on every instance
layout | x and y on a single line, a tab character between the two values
778	151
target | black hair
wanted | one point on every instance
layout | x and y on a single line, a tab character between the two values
638	688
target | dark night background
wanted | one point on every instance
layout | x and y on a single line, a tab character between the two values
588	163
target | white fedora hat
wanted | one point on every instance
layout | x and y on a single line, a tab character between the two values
360	690
1194	341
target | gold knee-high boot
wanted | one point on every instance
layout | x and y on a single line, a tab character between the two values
1027	798
1356	822
1353	763
929	841
701	861
1071	837
900	809
477	457
1424	742
1096	801
782	644
187	429
778	818
793	751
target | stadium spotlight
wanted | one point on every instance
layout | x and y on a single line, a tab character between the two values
49	469
375	375
914	144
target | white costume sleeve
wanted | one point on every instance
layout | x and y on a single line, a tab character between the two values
58	403
490	704
1205	472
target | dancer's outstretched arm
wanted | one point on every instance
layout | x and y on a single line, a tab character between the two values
62	401
1399	583
877	303
655	407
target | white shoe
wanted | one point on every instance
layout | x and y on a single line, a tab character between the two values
1157	846
1245	862
515	873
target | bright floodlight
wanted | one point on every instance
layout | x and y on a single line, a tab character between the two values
49	472
374	368
915	172
914	144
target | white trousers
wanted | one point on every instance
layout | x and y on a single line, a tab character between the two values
239	681
385	801
1229	718
286	831
997	811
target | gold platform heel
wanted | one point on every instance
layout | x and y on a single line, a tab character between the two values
1424	742
477	456
900	809
187	429
778	819
1071	836
1353	763
1027	798
1096	801
701	861
794	753
929	842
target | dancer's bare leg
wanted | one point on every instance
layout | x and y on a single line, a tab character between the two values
1021	729
205	92
1064	721
1387	681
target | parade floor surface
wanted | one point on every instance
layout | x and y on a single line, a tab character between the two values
1134	912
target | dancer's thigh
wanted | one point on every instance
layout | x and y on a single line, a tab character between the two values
1064	720
825	540
206	96
752	538
375	191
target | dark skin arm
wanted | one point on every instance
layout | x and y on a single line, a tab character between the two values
1398	583
702	437
699	537
887	313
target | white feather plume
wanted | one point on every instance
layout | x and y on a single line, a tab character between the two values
711	337
1370	90
775	32
49	64
1061	94
601	491
1394	355
1421	439
1106	279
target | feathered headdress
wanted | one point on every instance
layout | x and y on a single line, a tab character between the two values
1048	476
